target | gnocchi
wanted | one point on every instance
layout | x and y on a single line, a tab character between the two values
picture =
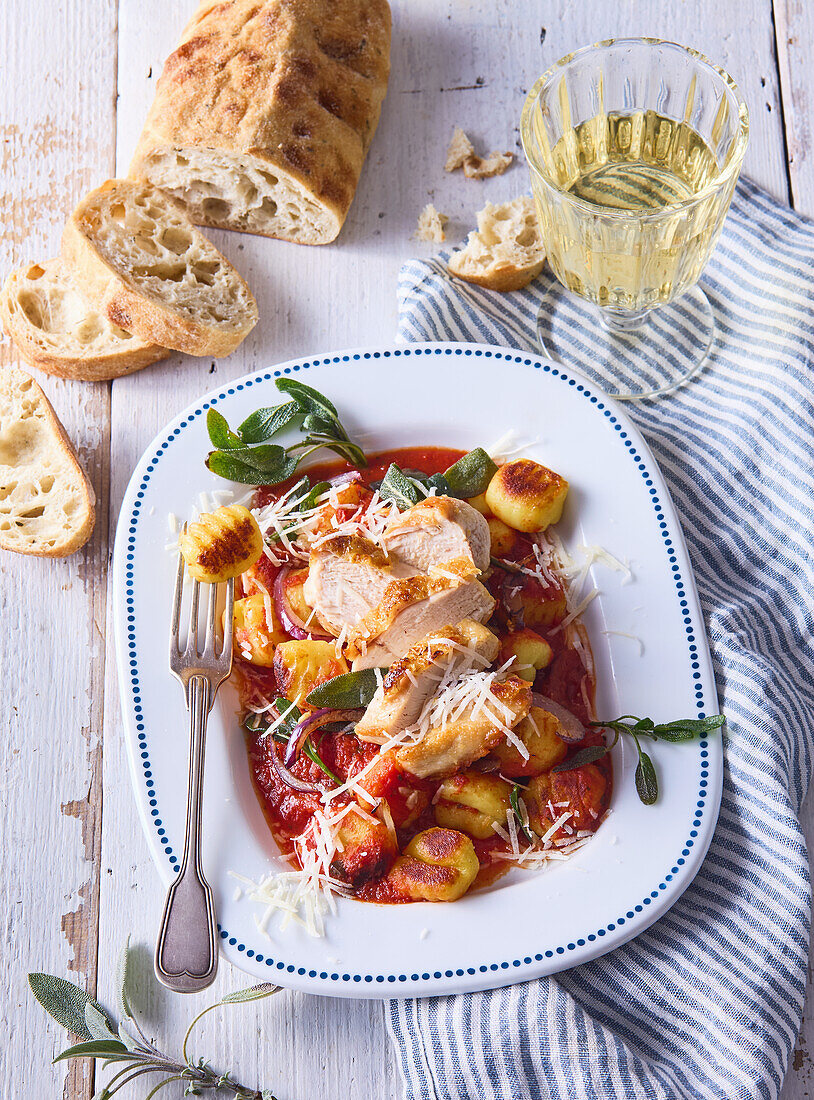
300	665
437	865
531	653
538	732
254	636
221	544
502	537
364	850
473	803
527	496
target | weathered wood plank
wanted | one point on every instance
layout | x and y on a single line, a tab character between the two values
453	64
59	123
794	29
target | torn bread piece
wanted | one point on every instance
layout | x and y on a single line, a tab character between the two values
47	504
142	263
461	154
506	251
431	225
57	331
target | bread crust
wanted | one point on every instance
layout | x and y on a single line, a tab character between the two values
86	366
122	303
82	533
505	277
294	87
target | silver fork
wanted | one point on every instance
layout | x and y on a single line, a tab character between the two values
186	955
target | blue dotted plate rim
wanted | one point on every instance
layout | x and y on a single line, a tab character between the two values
485	975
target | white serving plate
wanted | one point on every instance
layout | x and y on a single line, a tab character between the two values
530	923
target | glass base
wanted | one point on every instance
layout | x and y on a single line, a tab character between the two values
629	356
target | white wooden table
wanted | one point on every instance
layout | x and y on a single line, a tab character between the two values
76	79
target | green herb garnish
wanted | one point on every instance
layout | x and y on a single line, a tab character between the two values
246	456
125	1044
514	798
647	784
348	691
471	474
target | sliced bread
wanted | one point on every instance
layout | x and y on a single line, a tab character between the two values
506	251
56	330
264	114
142	263
47	505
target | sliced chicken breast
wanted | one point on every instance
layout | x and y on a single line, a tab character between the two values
347	577
446	748
438	529
415	608
414	678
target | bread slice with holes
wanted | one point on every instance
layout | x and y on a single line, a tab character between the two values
506	251
56	330
47	505
144	266
265	112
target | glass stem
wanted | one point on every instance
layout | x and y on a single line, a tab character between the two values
623	320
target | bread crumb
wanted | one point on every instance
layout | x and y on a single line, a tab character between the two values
460	149
461	154
431	225
481	168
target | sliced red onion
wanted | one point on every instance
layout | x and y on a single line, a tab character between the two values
290	779
570	729
292	623
321	717
340	480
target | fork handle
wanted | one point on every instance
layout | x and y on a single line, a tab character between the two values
186	956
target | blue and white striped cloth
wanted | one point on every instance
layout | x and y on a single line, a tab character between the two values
706	1003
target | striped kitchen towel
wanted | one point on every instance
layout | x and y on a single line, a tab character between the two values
706	1003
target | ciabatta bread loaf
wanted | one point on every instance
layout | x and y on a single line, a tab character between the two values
57	331
46	501
263	115
142	263
506	251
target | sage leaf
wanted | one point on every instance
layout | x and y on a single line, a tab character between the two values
471	474
319	425
313	495
111	1049
514	798
219	432
97	1023
123	978
292	716
440	484
262	424
346	692
588	755
253	993
222	464
307	398
647	784
63	1001
399	488
243	468
128	1038
688	728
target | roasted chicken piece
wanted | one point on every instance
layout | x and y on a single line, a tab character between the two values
413	679
453	745
436	530
347	577
415	608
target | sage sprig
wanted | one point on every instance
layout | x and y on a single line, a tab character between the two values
126	1045
466	478
348	691
246	455
646	779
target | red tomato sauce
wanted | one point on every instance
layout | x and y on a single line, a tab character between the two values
289	812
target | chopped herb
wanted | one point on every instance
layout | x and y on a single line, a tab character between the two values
514	798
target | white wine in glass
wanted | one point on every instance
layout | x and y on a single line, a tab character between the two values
634	148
